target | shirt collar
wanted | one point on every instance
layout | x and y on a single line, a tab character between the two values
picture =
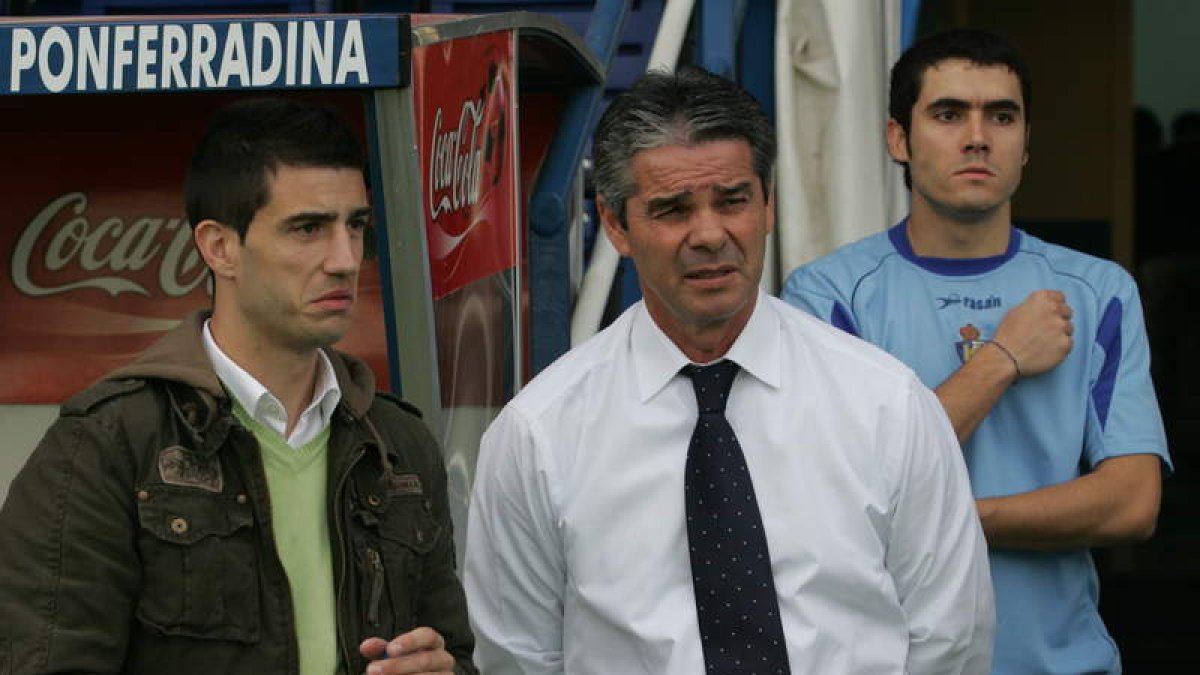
656	359
254	397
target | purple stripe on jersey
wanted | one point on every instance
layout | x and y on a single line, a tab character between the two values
841	319
1108	336
952	267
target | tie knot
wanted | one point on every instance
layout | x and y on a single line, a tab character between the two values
712	384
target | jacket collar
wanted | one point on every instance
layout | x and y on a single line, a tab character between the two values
179	356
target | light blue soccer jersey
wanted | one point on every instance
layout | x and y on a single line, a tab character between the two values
932	314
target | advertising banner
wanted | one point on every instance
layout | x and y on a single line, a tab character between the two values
201	54
465	110
465	118
96	256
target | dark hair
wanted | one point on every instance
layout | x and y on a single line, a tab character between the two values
689	107
1185	127
976	46
227	177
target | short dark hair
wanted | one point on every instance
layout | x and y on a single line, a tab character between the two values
227	177
689	107
979	47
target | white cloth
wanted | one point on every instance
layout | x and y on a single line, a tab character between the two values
265	407
577	556
836	182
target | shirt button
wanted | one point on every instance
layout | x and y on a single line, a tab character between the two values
179	525
241	499
374	500
143	496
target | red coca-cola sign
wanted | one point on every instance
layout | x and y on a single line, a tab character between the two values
96	256
466	123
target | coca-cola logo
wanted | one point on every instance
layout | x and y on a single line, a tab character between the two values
112	254
455	166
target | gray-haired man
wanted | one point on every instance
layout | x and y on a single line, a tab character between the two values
717	482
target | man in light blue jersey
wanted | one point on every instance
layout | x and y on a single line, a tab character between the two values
1038	353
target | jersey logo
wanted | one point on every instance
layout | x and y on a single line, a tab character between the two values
969	344
990	302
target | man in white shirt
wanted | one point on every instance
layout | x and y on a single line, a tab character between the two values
588	550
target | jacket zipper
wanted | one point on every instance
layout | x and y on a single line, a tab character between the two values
377	578
339	515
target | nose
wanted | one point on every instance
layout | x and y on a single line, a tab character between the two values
976	133
707	230
345	251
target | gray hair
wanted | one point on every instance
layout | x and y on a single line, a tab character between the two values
686	108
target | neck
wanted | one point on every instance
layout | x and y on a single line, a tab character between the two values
936	234
290	376
705	343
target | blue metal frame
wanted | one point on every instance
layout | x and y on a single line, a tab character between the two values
756	53
102	7
718	27
549	247
910	16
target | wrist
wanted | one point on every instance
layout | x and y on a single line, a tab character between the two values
1012	358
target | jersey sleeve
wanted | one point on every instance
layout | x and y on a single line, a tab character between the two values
815	292
1124	417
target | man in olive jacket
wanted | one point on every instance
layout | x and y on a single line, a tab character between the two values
239	500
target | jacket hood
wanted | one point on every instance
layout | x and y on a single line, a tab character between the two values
179	356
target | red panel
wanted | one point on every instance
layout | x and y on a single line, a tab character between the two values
96	257
466	117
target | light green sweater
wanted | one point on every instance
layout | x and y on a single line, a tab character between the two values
296	479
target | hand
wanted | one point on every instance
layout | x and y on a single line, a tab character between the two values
418	651
1038	332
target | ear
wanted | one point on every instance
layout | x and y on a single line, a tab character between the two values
220	247
770	208
897	141
612	227
1028	132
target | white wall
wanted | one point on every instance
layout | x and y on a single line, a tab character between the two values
21	427
1166	70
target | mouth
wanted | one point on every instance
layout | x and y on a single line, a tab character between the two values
975	172
709	276
338	300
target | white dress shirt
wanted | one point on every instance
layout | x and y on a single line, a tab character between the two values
265	408
577	557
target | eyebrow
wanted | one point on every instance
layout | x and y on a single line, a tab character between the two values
325	216
670	201
998	105
680	198
740	188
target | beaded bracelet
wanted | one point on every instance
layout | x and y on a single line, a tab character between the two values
1010	356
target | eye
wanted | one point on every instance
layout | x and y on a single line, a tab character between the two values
358	225
734	201
672	212
946	115
306	228
1005	117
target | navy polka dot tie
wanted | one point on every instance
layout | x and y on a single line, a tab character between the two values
736	603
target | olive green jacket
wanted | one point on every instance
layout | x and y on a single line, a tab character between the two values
137	539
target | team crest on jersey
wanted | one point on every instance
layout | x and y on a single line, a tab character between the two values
969	344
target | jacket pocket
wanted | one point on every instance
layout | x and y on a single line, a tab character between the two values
199	563
408	533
